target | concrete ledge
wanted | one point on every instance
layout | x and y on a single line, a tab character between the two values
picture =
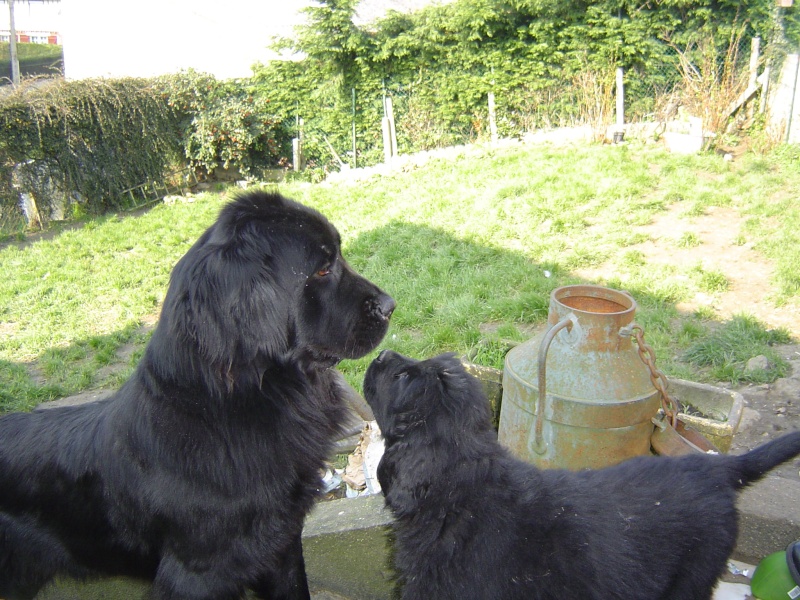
347	545
347	548
769	518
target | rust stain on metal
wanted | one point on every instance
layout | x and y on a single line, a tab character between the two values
599	399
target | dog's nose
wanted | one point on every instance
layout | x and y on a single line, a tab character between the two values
386	306
381	306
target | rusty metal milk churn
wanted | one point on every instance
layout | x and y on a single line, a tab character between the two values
578	395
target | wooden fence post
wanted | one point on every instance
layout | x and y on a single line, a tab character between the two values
755	52
392	129
389	133
492	118
298	160
355	147
296	154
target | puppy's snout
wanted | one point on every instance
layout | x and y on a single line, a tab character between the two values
385	356
382	306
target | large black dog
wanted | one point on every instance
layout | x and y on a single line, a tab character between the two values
473	522
197	474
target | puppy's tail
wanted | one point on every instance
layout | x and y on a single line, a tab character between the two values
755	464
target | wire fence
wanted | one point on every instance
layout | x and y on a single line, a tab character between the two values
693	76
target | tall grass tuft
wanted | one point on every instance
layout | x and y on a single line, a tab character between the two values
727	350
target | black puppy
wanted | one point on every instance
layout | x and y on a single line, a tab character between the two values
473	522
197	474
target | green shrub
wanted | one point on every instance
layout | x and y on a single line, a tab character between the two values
81	144
223	123
83	141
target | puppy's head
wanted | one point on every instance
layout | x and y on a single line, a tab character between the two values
434	398
267	282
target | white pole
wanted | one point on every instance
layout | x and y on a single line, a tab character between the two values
387	140
12	46
492	118
296	156
796	59
620	101
392	130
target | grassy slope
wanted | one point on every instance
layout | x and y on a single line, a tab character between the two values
470	248
34	59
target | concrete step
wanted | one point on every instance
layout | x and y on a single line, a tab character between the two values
347	545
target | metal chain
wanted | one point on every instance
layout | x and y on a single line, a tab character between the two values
668	404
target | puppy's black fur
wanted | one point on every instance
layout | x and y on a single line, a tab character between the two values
471	521
197	474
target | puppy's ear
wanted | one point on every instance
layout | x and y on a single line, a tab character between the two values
451	377
406	401
461	395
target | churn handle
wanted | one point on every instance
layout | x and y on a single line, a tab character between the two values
568	322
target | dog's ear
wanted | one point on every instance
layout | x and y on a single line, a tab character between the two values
223	284
451	378
406	402
460	395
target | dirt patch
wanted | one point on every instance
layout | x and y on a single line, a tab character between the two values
770	409
721	247
718	244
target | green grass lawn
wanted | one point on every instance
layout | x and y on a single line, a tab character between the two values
470	249
34	59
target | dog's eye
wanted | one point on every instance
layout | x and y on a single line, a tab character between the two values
401	375
324	272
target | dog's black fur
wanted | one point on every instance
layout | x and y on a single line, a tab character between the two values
197	474
471	521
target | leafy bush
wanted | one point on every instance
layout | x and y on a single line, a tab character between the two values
83	141
548	64
223	123
81	144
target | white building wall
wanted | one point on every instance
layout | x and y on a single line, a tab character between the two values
154	37
107	38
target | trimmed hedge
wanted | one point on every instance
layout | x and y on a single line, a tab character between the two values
82	143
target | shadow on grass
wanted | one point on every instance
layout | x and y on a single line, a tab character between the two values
98	362
453	294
